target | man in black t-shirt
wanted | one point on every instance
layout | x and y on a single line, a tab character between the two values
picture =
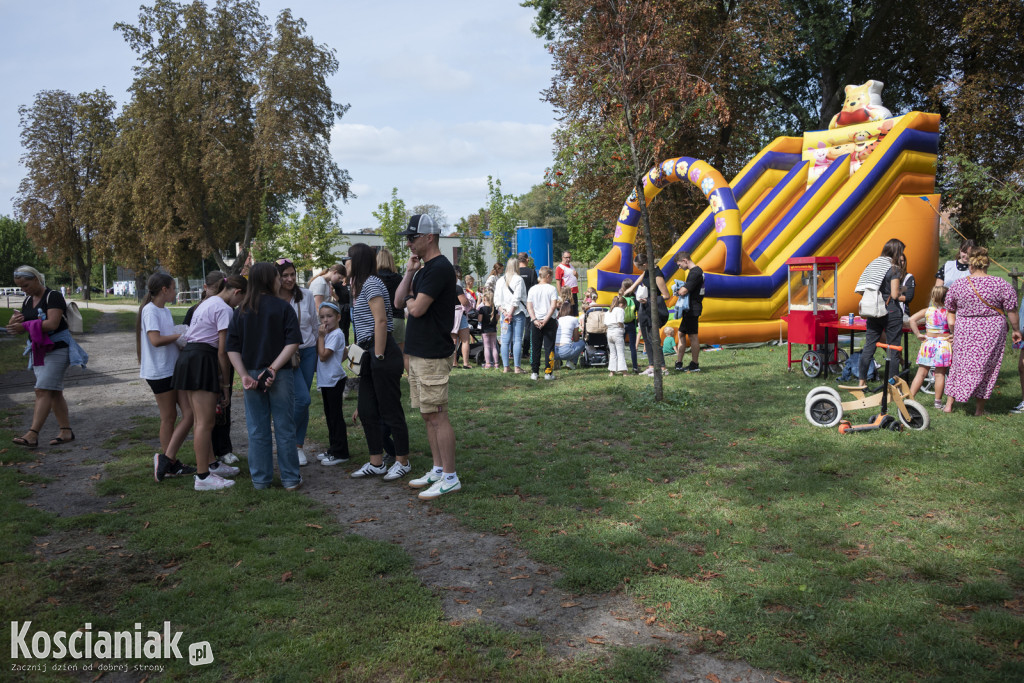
689	323
427	293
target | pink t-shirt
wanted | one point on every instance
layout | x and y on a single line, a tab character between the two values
210	317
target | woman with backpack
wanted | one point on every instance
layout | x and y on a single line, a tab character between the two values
883	275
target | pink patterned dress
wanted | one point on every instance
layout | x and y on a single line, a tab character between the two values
935	352
979	335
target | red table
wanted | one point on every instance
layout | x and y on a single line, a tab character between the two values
861	325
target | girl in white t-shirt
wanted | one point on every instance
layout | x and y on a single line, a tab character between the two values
157	351
330	377
541	303
615	319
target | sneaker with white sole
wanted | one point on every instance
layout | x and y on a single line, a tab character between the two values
331	461
551	376
1016	410
178	468
212	483
439	488
397	471
160	465
426	480
302	458
533	376
221	470
323	456
228	458
294	487
369	470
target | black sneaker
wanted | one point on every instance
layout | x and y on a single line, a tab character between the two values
178	468
160	465
679	365
692	367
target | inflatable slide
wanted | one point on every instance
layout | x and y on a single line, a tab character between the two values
840	192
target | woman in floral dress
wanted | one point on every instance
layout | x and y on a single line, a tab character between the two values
977	305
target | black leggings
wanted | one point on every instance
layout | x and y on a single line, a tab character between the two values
545	336
380	400
892	325
334	413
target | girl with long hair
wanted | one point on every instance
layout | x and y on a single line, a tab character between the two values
199	376
891	260
263	337
157	351
510	300
380	389
302	302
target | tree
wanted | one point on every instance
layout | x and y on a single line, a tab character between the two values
307	239
16	249
392	219
501	214
65	137
435	212
471	246
229	118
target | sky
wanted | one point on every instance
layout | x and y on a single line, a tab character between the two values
442	93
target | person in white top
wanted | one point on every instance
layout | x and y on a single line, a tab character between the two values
615	319
510	299
568	345
330	377
541	303
321	285
304	304
157	351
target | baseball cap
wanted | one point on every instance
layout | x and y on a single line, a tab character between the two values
422	224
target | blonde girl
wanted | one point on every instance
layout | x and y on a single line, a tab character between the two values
330	377
615	320
157	352
935	353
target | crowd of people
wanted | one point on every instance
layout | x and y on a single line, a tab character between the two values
364	323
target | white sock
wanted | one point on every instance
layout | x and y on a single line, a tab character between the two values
450	476
438	470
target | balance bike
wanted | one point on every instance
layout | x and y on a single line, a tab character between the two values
824	408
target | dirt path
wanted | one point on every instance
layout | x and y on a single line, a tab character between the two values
477	576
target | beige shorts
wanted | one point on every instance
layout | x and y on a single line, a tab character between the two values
428	383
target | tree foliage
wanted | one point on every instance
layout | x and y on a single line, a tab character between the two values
501	219
392	219
779	67
435	212
65	138
16	249
229	118
472	258
308	239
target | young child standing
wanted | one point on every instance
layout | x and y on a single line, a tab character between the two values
615	320
330	377
935	352
488	317
157	351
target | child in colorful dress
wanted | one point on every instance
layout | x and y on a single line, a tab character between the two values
936	352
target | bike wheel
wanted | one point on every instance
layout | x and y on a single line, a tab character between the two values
823	410
822	390
918	416
841	358
929	382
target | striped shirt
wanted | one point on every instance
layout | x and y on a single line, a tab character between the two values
874	274
362	316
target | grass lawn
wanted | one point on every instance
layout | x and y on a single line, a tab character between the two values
870	557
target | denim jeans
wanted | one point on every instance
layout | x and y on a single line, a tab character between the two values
303	380
513	332
277	403
630	338
570	351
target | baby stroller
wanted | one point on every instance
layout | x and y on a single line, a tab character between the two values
595	334
476	337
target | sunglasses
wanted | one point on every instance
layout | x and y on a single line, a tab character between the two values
283	261
412	238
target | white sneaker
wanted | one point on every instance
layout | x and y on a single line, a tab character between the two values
212	483
397	471
533	376
426	480
369	469
1018	409
228	458
323	456
439	488
221	470
551	376
331	461
302	458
